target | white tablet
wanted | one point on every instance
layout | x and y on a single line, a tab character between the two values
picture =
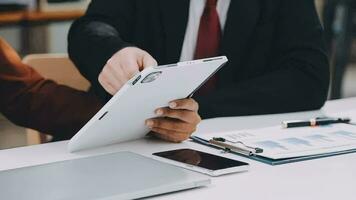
123	117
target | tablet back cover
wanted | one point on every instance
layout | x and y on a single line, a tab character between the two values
123	117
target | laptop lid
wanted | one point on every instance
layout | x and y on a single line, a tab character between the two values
122	175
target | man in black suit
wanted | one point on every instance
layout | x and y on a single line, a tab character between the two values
277	57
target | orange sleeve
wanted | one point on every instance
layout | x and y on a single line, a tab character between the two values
29	100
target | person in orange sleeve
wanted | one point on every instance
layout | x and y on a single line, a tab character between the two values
29	100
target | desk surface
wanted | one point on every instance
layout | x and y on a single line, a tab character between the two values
328	178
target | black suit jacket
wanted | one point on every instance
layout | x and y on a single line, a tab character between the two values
277	57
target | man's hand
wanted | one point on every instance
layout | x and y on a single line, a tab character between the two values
177	122
122	66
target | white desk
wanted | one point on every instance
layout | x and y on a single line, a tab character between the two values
332	178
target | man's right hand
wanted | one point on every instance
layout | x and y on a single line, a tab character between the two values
122	66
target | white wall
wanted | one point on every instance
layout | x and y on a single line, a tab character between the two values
57	36
12	35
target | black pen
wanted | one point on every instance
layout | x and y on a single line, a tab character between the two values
314	122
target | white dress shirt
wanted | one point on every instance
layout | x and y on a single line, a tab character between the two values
196	9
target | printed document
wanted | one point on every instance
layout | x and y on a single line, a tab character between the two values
281	143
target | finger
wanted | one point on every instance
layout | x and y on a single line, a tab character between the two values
187	104
119	72
148	60
170	135
123	66
110	89
105	83
108	76
170	124
130	69
107	87
184	115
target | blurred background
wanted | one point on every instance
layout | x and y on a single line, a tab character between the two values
41	27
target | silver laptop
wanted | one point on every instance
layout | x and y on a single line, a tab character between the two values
122	175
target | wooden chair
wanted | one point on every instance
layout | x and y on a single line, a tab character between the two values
11	135
57	67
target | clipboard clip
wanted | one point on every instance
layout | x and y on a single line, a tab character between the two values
245	150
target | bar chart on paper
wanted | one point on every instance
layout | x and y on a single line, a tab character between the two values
278	143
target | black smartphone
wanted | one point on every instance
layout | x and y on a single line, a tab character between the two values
206	163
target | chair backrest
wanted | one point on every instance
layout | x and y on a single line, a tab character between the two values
11	135
58	67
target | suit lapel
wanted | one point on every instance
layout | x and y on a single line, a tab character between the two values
242	18
174	19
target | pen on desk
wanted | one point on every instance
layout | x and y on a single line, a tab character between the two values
314	122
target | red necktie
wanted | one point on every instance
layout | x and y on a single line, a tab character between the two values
208	42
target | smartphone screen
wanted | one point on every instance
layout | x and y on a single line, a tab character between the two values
200	159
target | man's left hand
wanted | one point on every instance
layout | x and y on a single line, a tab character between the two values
177	122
